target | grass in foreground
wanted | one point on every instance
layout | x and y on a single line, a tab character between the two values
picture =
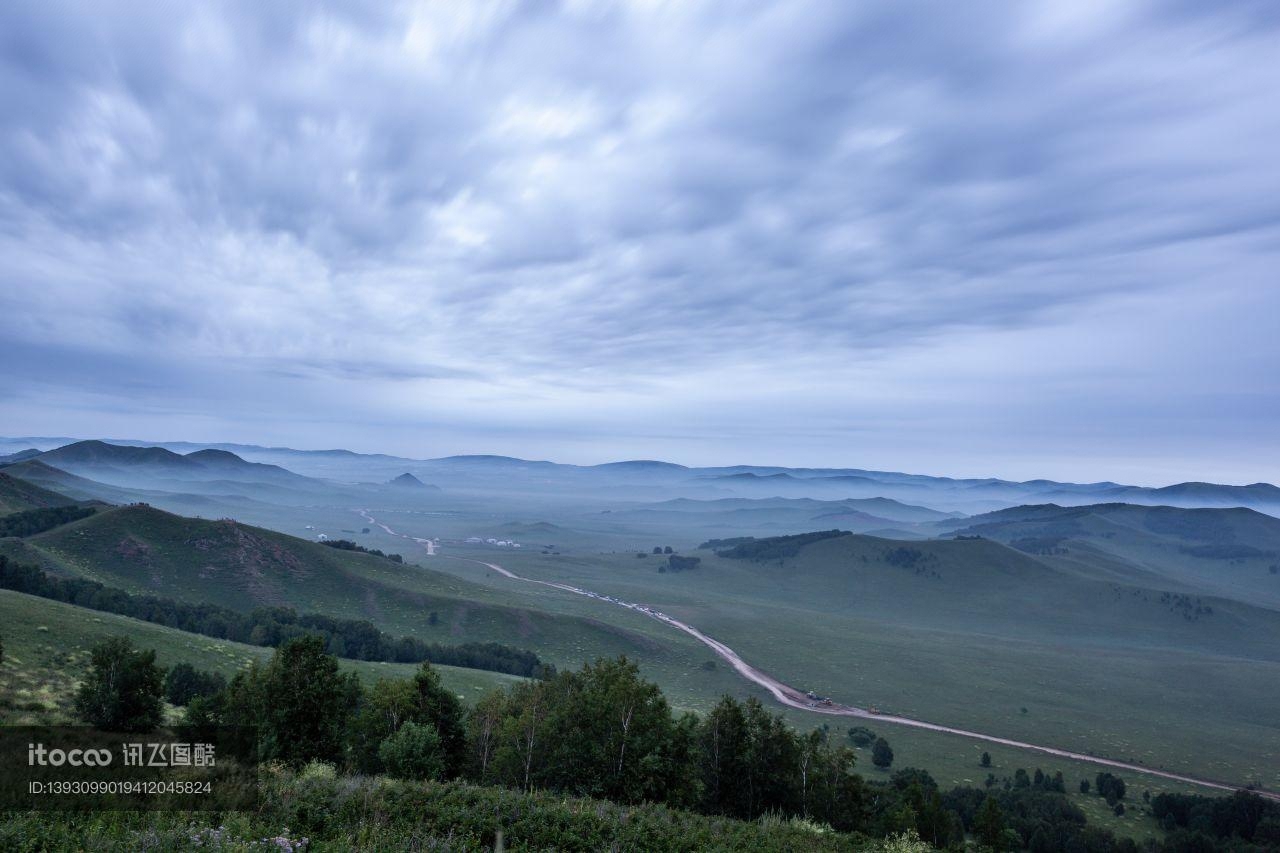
316	810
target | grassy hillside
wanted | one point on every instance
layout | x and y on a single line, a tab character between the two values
971	633
47	644
18	495
142	549
35	472
1227	552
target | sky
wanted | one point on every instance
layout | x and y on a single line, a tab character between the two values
979	239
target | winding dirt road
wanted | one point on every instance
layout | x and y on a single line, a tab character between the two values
794	698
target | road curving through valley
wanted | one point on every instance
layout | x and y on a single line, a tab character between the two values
793	697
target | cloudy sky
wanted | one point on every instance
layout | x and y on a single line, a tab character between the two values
1005	239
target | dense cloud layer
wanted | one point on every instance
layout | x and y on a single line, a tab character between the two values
967	238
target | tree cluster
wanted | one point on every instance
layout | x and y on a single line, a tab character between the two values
184	682
1109	787
33	521
676	563
348	545
776	547
1243	822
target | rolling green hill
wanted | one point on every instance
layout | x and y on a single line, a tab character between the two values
1233	553
984	585
143	549
18	495
37	473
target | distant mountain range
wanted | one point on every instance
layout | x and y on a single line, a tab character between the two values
108	462
205	480
124	462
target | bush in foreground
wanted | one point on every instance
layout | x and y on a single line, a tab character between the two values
379	814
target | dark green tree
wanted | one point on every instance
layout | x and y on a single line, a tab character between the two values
387	706
413	752
184	682
882	754
986	759
123	690
438	707
1110	787
750	761
299	702
484	724
603	732
861	736
988	824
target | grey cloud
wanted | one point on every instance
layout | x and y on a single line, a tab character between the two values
549	199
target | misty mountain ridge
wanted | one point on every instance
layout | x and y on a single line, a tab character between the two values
663	480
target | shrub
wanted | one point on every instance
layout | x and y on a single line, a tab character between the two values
123	689
413	752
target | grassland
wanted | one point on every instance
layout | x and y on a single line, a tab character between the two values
1101	673
46	645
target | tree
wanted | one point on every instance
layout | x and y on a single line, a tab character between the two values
861	736
437	706
668	550
750	761
413	752
988	824
1110	787
657	549
601	732
387	706
184	683
882	754
483	726
299	702
986	759
1084	786
122	692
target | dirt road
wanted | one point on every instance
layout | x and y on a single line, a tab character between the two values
429	544
795	698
